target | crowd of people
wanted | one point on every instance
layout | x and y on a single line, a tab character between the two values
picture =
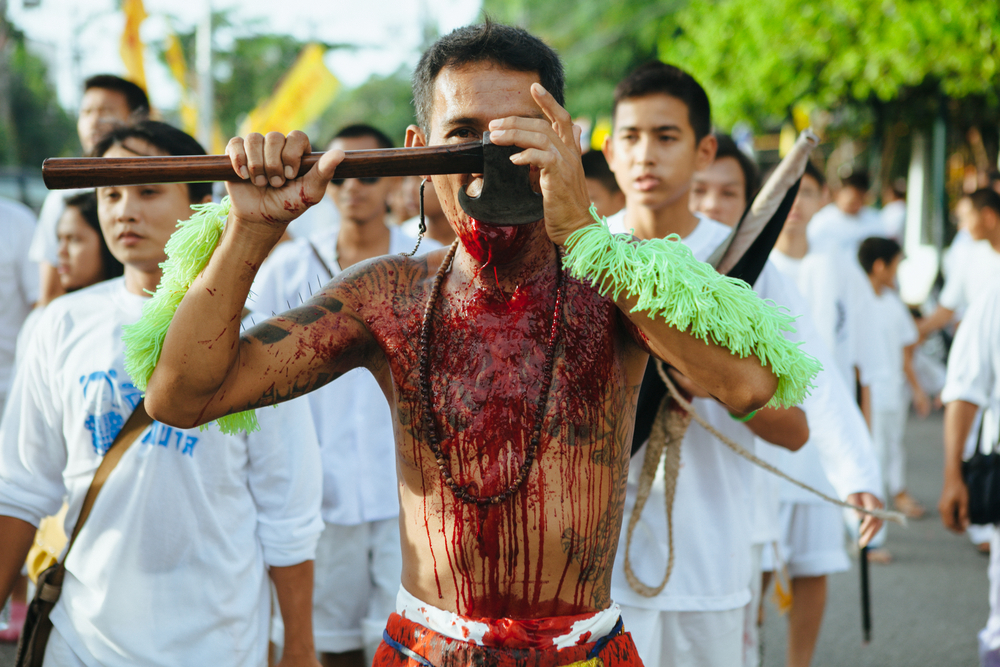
406	501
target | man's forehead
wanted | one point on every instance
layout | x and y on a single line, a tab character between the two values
479	92
652	112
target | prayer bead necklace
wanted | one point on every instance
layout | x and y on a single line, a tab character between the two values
430	428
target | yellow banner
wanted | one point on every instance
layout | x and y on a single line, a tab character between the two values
174	55
131	45
300	98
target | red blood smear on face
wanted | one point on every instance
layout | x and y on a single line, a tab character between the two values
493	244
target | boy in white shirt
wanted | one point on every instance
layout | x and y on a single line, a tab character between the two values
172	565
973	384
661	137
845	223
895	333
979	268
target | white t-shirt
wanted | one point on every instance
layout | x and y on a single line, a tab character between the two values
833	230
974	364
841	303
713	503
352	419
955	255
19	278
893	217
170	568
978	271
893	329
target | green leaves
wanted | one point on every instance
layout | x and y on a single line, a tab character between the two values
757	59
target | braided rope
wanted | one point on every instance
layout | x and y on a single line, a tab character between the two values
665	440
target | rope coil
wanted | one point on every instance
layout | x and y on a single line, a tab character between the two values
665	440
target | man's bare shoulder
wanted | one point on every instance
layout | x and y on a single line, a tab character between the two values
388	274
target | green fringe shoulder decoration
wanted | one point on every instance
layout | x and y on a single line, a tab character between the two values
691	296
188	251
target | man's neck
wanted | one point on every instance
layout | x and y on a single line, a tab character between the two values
440	230
529	264
657	223
877	286
141	282
357	241
792	243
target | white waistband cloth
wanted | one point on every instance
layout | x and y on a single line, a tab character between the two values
447	623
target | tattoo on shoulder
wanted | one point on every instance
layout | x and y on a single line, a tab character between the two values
313	310
266	333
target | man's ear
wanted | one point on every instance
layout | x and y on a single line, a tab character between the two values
415	137
705	152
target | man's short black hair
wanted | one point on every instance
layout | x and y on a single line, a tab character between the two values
657	78
857	180
875	248
357	130
135	97
751	174
986	198
86	204
815	173
595	166
506	46
165	137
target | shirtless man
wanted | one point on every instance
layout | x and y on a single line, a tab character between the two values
545	550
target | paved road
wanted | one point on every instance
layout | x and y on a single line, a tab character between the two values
927	606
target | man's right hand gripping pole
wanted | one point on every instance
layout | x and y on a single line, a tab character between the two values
201	352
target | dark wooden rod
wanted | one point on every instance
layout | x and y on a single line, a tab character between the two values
63	173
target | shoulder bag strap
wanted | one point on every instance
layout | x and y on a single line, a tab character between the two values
134	426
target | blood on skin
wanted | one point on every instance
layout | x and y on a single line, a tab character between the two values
535	633
491	245
486	360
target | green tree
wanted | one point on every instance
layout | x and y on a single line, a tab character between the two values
758	59
383	101
35	126
599	42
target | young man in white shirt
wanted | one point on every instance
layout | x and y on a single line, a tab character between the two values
973	384
172	565
358	561
108	101
979	269
660	139
846	222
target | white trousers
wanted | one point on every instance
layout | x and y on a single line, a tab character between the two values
357	576
686	638
888	427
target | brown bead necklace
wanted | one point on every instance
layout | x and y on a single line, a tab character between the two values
430	428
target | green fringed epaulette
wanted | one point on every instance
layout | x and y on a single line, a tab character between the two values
669	282
188	251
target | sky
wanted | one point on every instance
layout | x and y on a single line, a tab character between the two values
80	37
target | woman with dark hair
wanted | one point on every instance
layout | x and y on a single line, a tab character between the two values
725	189
84	256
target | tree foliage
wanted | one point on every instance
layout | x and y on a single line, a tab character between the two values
383	101
599	42
39	128
758	59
